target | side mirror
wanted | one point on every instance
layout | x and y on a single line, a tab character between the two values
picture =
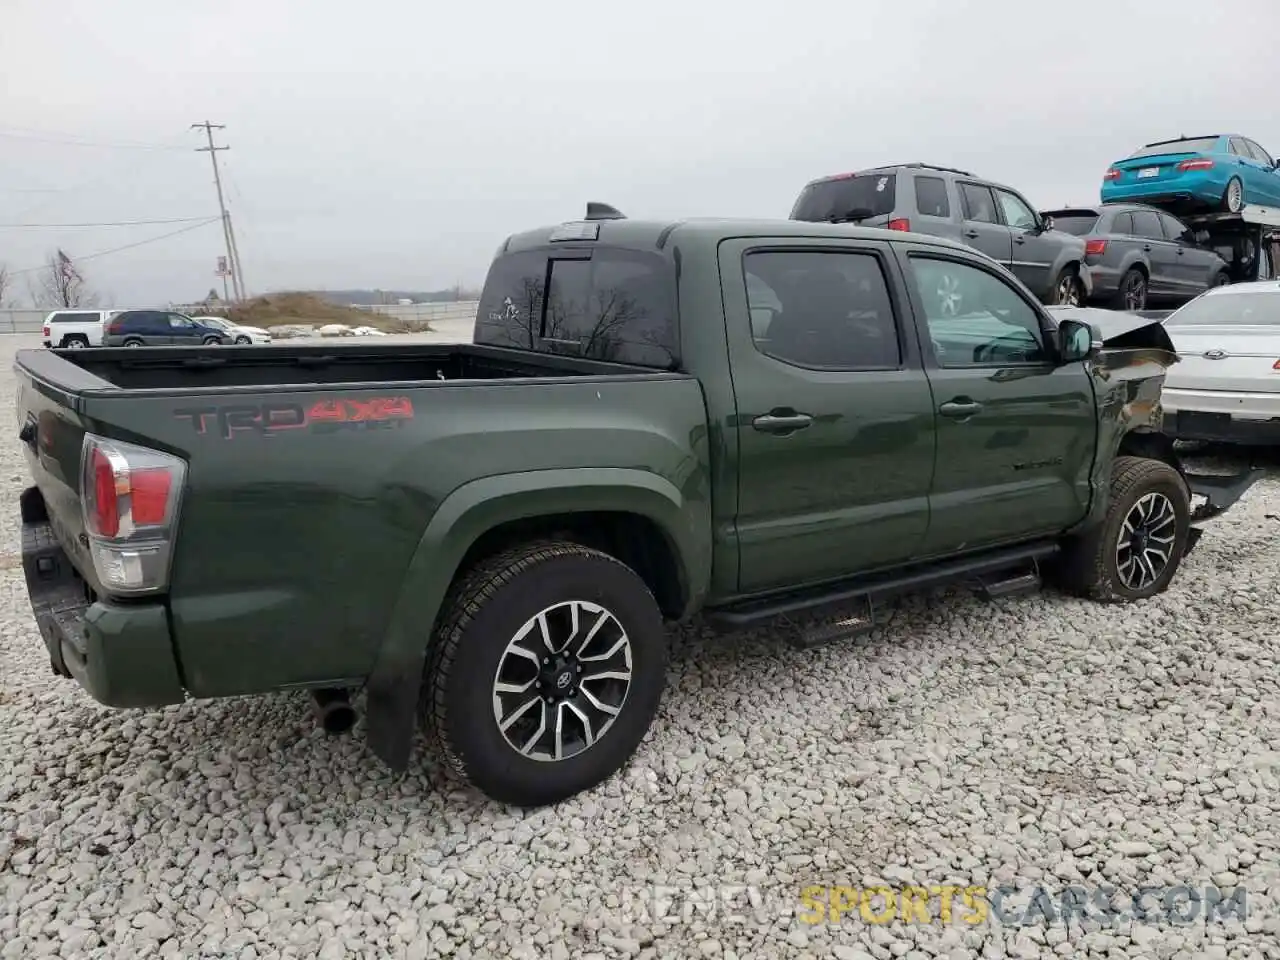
1075	341
1046	223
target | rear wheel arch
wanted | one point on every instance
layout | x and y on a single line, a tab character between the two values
637	517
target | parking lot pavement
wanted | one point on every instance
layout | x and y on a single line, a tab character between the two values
1041	742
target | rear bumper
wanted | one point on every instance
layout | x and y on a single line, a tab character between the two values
121	654
1222	428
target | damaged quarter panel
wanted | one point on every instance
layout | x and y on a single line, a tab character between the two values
1128	373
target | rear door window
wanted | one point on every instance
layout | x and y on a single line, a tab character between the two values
603	304
978	203
931	197
1147	225
859	197
1122	224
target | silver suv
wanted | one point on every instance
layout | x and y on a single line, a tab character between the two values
944	202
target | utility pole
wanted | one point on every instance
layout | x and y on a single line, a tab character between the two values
232	260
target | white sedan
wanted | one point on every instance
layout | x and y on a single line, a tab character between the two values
238	333
1226	385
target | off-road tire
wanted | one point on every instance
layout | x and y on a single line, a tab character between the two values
1088	564
481	614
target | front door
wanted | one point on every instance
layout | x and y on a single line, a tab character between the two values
834	425
1034	253
982	227
1016	430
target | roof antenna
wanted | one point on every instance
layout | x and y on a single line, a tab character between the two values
602	211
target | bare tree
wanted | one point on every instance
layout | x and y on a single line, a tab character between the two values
61	284
6	282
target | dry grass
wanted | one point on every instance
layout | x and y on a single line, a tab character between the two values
276	309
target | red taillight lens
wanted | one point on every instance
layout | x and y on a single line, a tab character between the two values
105	519
114	326
1112	174
149	493
900	223
1095	248
1276	365
44	331
1200	163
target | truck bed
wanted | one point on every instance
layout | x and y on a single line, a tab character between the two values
263	368
314	472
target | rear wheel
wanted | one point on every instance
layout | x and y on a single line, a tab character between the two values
1233	196
133	343
1132	293
1220	279
546	672
1136	549
75	343
1067	290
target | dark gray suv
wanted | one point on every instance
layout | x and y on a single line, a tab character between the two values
950	203
1139	255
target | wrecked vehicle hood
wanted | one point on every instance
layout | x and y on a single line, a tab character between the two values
1129	372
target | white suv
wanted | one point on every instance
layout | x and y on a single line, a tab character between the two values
74	328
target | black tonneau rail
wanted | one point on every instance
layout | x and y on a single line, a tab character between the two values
110	371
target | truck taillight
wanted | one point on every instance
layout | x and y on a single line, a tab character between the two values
130	495
1095	248
900	223
44	331
1200	163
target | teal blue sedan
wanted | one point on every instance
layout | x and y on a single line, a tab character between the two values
1223	171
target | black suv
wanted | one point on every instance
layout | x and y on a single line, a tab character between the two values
945	202
150	328
1140	255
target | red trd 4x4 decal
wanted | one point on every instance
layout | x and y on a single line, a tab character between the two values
321	416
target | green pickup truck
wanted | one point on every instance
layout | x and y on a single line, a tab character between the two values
755	421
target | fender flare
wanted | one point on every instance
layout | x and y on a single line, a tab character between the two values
461	519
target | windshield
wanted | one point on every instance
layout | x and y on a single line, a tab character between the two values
1198	145
1229	308
1074	223
872	195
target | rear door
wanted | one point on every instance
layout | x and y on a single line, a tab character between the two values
1161	254
1195	266
1034	253
982	227
1016	430
834	414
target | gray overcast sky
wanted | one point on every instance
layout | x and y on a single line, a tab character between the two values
395	144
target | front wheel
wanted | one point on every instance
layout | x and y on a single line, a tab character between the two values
546	672
1067	290
133	343
1220	279
243	339
211	341
1137	548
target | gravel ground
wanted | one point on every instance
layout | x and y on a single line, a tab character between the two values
1040	741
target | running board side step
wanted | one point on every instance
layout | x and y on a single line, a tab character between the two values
1220	491
1016	583
835	599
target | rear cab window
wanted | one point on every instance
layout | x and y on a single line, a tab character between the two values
71	316
601	303
1076	224
860	196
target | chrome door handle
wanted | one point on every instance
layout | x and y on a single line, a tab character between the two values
781	423
960	409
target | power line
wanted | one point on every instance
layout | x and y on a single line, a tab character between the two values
127	246
105	223
233	262
39	136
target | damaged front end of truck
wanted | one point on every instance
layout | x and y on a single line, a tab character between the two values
1130	357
